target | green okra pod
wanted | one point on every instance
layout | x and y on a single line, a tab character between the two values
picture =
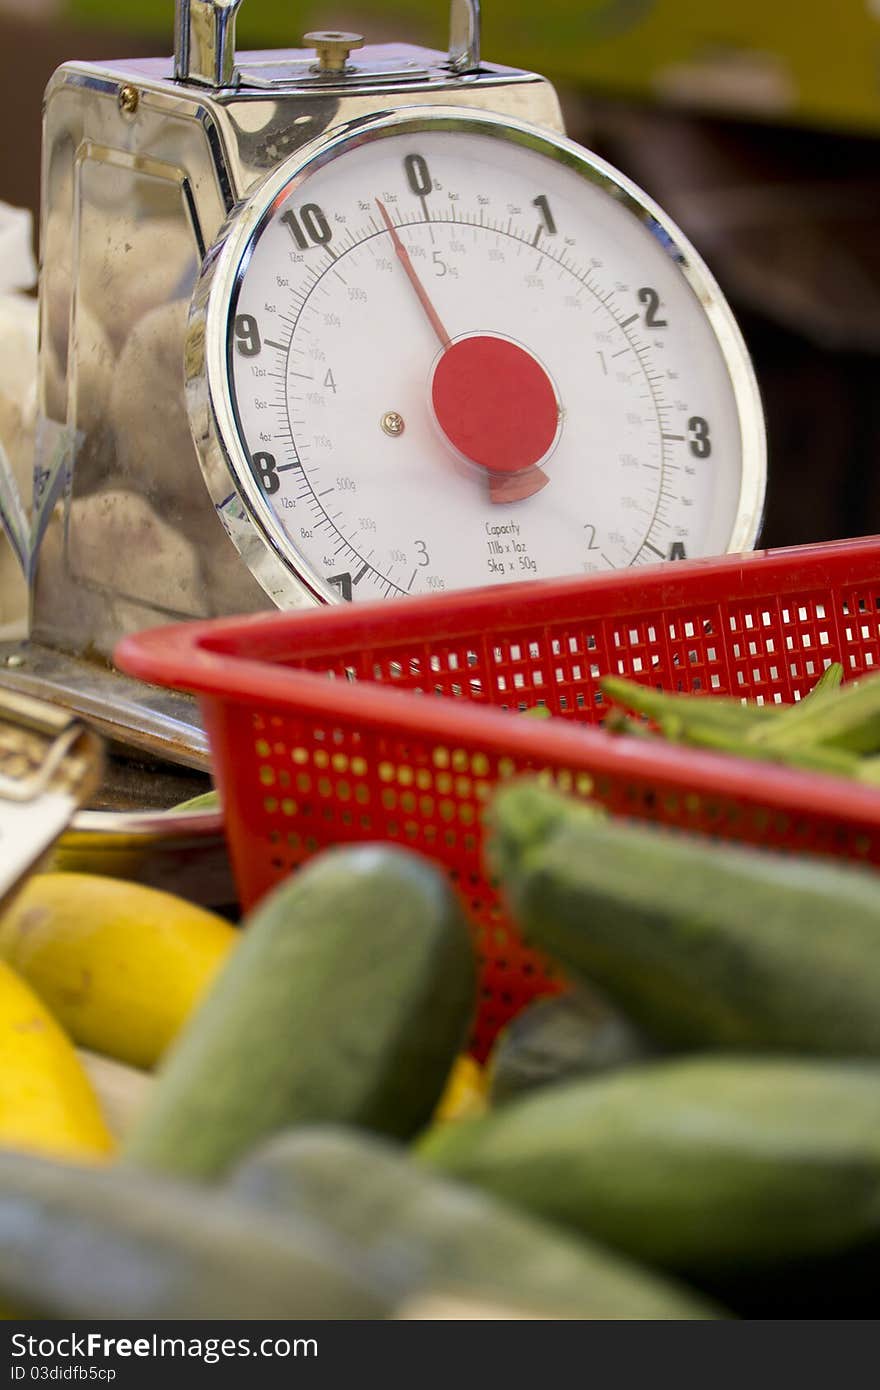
851	720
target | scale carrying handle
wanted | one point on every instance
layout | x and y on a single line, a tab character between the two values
204	40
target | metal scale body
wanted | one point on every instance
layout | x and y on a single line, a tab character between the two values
144	163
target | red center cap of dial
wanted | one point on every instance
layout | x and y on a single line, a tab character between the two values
495	403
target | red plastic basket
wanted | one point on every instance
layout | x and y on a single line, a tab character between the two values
303	761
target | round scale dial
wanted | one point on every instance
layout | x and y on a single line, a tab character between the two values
452	351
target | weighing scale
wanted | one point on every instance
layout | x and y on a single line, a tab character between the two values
346	323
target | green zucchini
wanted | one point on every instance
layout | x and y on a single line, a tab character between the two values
434	1234
575	1034
107	1243
706	1167
347	1000
700	944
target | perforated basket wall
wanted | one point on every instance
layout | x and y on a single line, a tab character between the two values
325	726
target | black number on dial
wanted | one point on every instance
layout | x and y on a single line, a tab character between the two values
424	557
699	444
247	336
310	227
417	175
677	551
651	299
267	473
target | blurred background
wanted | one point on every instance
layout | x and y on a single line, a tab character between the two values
755	124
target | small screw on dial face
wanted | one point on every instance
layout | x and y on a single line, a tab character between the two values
393	423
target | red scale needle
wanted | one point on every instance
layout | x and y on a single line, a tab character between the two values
406	262
492	399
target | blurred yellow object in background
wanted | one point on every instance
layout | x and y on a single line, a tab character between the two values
120	965
47	1104
465	1093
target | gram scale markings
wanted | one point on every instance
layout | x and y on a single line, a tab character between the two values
643	355
306	307
641	352
304	293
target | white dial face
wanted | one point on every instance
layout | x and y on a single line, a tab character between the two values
456	361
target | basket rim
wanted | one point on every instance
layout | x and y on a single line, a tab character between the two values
228	660
166	653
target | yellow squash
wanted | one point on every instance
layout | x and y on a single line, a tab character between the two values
465	1094
120	965
47	1104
